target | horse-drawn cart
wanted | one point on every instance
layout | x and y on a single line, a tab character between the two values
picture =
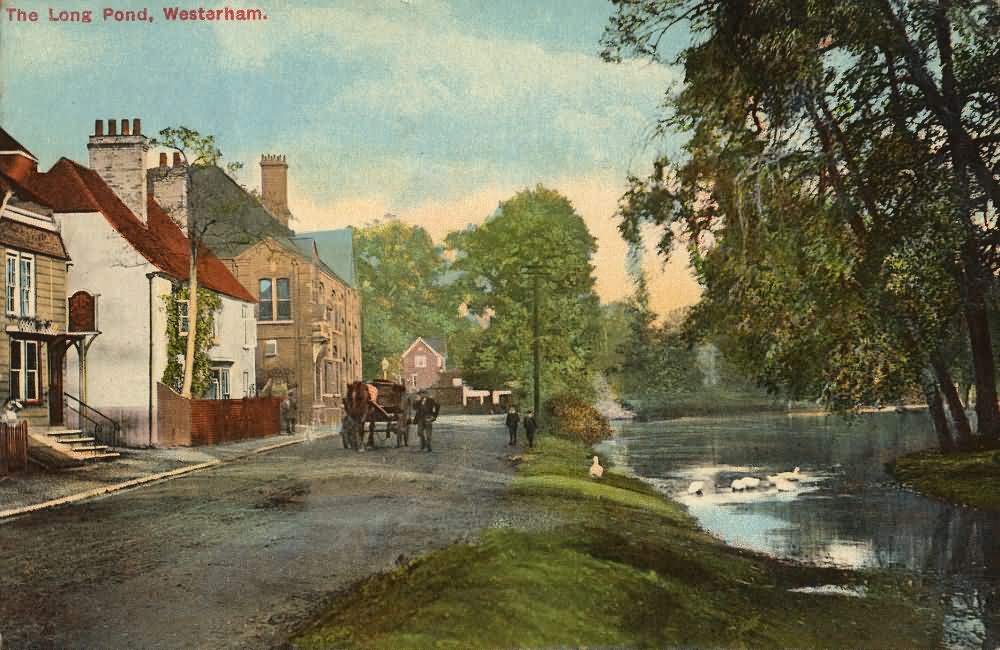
373	403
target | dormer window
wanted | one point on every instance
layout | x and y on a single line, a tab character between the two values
20	284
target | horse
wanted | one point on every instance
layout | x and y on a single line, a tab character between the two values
357	404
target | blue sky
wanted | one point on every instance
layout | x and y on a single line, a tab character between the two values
427	109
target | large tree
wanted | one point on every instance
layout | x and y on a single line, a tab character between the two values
535	244
859	138
404	289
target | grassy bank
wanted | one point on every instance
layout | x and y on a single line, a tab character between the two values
610	563
967	478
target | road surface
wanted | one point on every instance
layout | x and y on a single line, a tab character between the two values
237	556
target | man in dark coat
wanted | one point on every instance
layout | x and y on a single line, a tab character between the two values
425	413
512	421
530	426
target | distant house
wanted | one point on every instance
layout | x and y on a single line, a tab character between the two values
424	362
128	255
308	311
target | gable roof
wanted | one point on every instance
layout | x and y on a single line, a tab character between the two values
9	145
426	342
70	187
245	220
336	250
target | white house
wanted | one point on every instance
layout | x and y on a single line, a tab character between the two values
128	258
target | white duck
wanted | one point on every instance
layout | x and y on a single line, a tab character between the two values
783	485
794	475
596	471
738	485
696	488
751	482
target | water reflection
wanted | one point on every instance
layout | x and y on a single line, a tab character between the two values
847	512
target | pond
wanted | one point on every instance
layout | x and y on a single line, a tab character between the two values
845	510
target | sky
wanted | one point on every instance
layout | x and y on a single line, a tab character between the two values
429	110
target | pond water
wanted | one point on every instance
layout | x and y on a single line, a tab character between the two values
846	510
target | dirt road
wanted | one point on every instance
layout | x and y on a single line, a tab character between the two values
235	557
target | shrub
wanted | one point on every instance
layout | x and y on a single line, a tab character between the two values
573	418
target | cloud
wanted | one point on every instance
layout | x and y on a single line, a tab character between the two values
595	198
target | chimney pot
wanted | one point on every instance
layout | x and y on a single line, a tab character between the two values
112	127
177	159
98	127
125	129
136	126
163	159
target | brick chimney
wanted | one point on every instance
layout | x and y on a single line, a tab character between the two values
274	186
121	161
169	186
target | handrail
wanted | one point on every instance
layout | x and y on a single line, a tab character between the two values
115	428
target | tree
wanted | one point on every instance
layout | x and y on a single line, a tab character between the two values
854	132
404	290
196	150
536	236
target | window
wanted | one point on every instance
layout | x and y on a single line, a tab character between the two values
330	379
413	381
219	388
20	284
270	348
284	299
246	384
266	300
183	321
420	361
24	370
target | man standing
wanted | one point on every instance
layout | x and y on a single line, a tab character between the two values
289	406
426	412
512	421
530	426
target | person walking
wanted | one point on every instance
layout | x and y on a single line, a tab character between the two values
530	426
425	413
512	421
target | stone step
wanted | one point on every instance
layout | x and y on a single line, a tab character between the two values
111	455
58	433
71	441
86	449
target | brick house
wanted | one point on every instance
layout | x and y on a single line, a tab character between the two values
308	312
423	363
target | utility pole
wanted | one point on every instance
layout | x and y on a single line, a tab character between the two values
535	273
537	352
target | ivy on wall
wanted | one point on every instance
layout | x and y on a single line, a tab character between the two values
204	324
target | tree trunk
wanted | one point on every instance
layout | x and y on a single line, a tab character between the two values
936	407
983	364
192	323
962	429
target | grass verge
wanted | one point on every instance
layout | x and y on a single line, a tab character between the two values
966	478
612	563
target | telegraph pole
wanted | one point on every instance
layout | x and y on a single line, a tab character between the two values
537	350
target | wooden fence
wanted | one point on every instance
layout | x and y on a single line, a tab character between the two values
194	422
214	421
13	447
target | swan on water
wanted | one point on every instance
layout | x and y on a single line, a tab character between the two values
596	471
783	485
794	475
738	485
696	488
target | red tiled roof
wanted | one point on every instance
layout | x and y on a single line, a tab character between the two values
69	187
